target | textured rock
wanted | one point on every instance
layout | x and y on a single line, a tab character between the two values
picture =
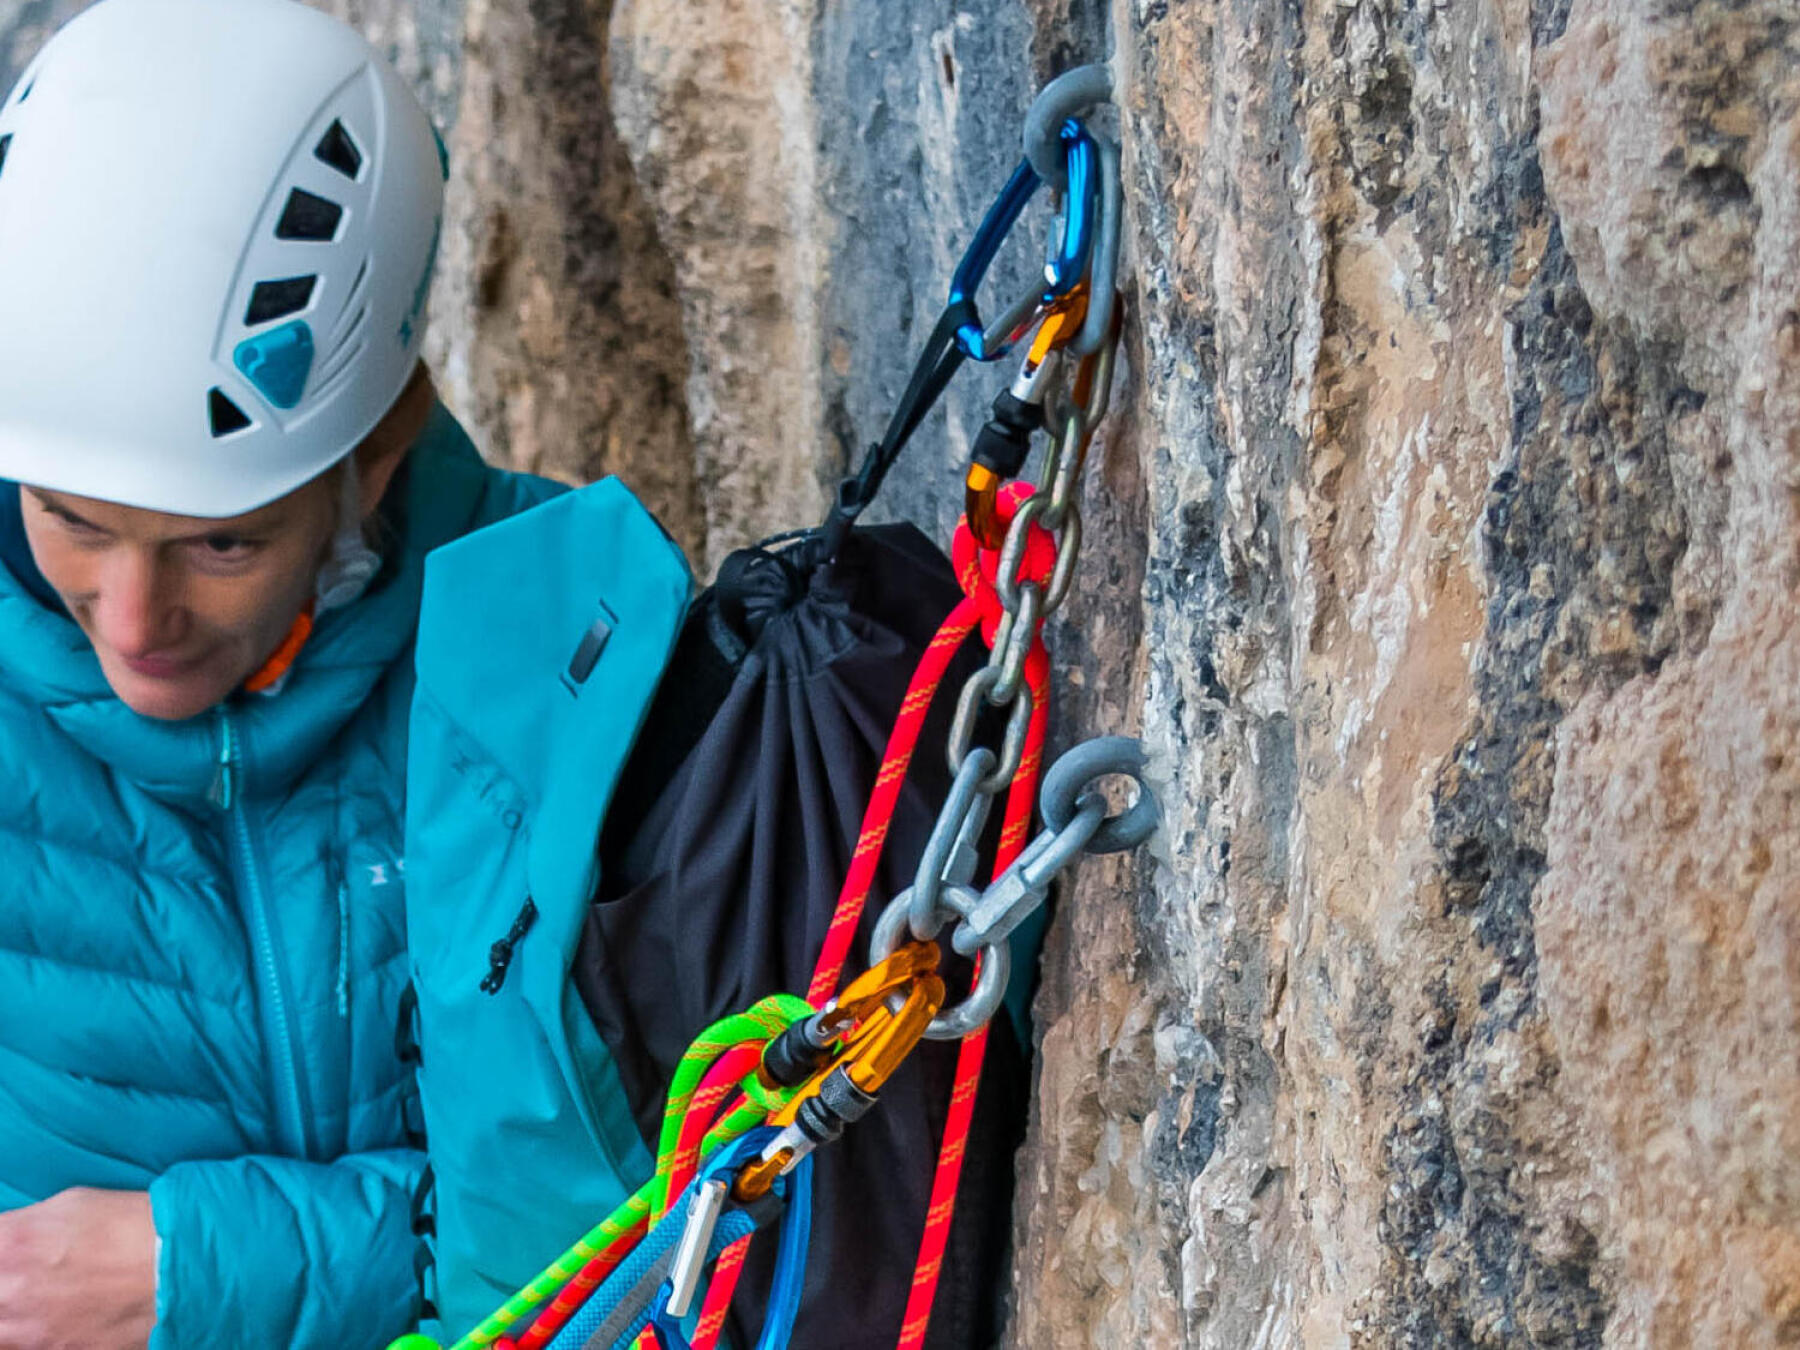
1668	914
1444	549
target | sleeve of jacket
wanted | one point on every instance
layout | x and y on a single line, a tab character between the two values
263	1251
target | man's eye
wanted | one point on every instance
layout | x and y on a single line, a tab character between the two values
227	546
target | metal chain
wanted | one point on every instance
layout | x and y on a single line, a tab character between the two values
941	893
1076	821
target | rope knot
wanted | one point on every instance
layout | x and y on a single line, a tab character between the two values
977	567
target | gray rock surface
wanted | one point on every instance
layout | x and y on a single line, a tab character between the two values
1443	548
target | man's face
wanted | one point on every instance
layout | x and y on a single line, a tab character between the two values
180	610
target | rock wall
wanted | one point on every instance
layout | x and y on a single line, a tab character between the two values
1443	547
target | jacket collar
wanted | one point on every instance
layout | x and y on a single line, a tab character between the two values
47	661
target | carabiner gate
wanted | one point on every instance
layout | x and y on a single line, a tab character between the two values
1068	256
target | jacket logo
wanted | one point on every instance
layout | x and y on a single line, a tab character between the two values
378	872
490	787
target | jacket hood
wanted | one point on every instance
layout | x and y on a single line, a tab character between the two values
47	661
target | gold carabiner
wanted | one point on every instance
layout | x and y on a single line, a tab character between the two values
885	1011
881	1043
1061	326
981	498
872	989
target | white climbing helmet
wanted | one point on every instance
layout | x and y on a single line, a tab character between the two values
217	225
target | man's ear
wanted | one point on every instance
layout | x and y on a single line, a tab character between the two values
382	449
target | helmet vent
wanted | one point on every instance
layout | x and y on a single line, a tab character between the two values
5	145
308	217
339	151
272	300
25	93
356	286
225	415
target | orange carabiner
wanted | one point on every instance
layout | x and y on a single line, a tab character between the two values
881	1043
886	1012
1060	326
981	495
871	989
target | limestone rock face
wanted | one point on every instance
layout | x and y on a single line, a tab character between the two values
1443	547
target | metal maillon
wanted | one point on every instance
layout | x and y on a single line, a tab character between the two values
1076	821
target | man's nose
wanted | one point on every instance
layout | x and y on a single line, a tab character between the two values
137	612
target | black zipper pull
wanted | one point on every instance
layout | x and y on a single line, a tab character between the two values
500	955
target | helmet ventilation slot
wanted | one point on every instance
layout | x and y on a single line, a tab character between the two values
339	151
226	416
272	300
356	293
308	217
5	145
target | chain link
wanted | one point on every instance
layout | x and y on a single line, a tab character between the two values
1012	745
1076	822
1013	641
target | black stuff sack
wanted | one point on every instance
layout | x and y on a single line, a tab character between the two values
721	861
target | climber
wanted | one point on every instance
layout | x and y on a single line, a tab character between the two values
224	467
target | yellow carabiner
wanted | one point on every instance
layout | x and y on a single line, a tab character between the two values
886	1012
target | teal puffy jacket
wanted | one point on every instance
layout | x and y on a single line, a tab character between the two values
202	950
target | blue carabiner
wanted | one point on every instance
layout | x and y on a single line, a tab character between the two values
994	228
1069	250
796	1190
1068	258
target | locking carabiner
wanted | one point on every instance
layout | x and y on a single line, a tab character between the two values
1004	442
896	1009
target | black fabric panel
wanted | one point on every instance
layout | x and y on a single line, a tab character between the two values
723	892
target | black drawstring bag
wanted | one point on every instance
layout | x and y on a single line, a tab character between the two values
721	860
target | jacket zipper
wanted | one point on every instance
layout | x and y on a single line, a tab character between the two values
500	953
247	874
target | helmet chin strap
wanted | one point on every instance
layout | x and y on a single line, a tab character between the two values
345	574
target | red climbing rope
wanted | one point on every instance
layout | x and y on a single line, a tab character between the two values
975	568
879	815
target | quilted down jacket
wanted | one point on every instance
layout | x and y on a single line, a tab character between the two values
202	947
